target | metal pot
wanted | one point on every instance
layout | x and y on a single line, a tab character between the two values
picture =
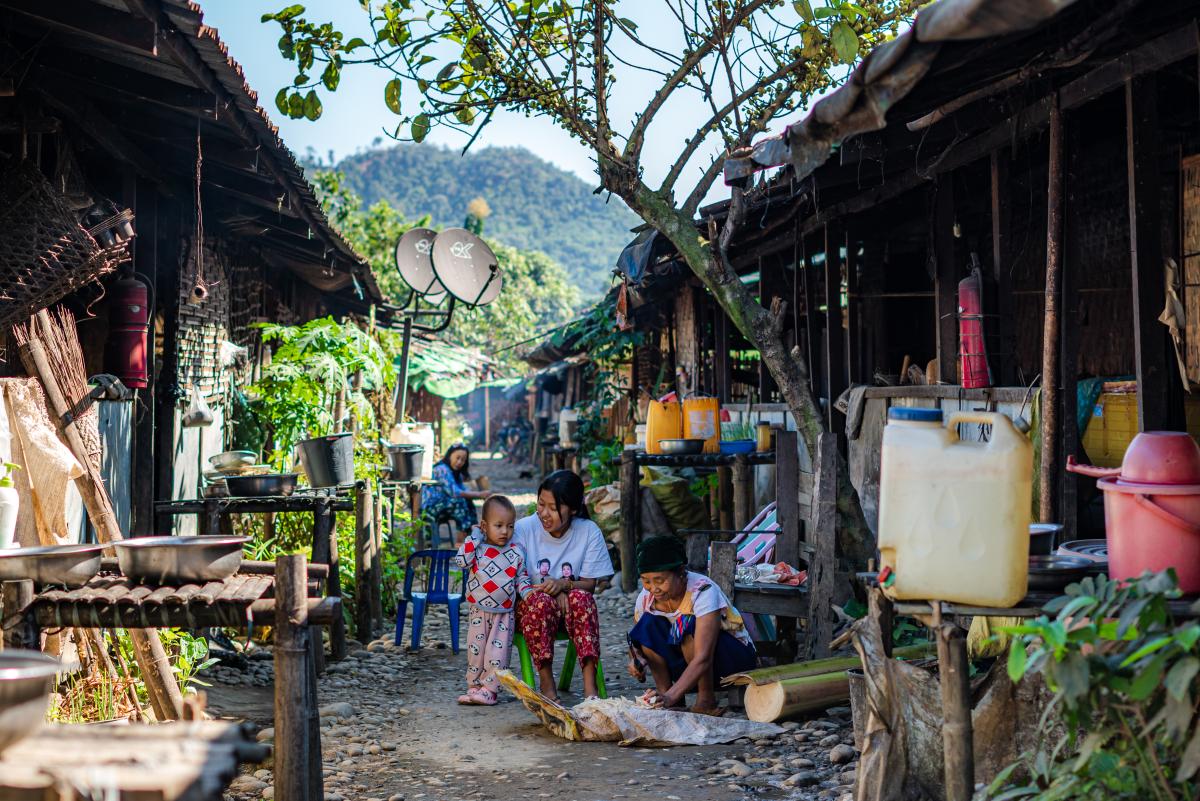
1051	573
681	447
407	461
183	560
271	485
1043	537
63	565
26	681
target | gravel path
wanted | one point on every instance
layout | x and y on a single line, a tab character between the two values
391	731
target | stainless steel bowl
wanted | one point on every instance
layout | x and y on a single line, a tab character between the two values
272	485
64	565
681	447
232	460
182	560
26	681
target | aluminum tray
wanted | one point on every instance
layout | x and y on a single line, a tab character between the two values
26	680
65	565
182	560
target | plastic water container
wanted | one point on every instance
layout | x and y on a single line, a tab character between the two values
663	421
954	514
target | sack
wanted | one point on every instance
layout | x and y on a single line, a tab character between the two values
683	509
604	505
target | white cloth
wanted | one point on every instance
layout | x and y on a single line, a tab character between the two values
579	553
705	597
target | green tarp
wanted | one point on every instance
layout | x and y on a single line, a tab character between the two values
442	370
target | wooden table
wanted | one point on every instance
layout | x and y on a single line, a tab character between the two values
282	599
180	761
323	504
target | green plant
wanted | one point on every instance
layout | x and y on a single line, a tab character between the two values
738	429
603	462
1124	676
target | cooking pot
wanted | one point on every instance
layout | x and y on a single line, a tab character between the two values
1152	507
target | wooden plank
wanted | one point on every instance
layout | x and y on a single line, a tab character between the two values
854	335
723	566
750	601
787	497
1149	57
364	546
293	696
1076	254
725	497
835	332
945	282
1146	250
697	543
1190	180
721	363
1004	355
743	487
823	565
933	392
813	323
93	21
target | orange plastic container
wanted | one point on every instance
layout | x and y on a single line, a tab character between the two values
700	421
663	421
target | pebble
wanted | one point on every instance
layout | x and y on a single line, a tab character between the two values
830	741
841	754
265	735
268	794
740	769
246	784
801	779
340	709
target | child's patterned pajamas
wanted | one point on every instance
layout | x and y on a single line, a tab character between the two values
489	644
497	577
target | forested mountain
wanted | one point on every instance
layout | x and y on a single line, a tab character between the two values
535	205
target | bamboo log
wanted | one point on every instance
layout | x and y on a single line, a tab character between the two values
147	647
958	746
294	748
817	666
783	699
364	544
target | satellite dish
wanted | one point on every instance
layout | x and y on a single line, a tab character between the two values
466	267
413	260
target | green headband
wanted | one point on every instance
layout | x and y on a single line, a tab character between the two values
660	554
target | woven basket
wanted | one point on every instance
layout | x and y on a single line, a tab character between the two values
44	253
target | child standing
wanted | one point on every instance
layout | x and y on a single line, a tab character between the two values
497	576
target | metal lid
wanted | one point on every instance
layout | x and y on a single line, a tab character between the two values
915	415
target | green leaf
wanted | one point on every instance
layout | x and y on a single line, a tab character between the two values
1146	681
291	12
628	23
826	12
845	42
300	79
804	9
420	128
391	95
1190	761
1016	661
1071	675
287	46
332	76
281	100
312	106
354	44
295	106
1179	677
445	72
1146	650
465	115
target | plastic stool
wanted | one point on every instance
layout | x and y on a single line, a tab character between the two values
564	680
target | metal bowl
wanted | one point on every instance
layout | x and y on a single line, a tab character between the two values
1043	537
270	485
26	681
65	565
182	560
232	460
681	447
1052	572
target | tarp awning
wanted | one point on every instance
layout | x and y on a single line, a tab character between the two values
444	370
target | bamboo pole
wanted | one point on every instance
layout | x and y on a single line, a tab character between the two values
1048	469
294	748
778	700
958	746
816	667
147	647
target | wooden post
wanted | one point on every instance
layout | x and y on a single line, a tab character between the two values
724	567
787	497
854	338
1075	255
697	550
364	545
742	489
812	325
1048	472
835	332
945	280
487	419
822	569
20	630
630	517
1150	338
324	552
725	497
1004	357
957	735
145	260
377	560
294	747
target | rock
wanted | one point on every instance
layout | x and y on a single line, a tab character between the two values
386	746
739	769
801	762
396	797
790	725
830	741
849	777
801	779
838	711
246	784
264	775
268	794
353	645
265	735
841	754
374	750
564	774
340	709
354	750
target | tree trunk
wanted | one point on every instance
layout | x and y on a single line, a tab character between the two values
764	329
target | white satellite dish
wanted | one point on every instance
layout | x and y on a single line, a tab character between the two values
466	267
414	261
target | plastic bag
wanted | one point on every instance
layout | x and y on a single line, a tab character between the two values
604	505
198	414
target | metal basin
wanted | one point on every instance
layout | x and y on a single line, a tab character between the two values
232	460
1050	573
274	485
26	681
65	565
182	560
681	447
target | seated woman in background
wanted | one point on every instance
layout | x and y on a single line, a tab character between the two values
449	499
685	629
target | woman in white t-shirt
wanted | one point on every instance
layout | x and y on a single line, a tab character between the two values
685	629
566	554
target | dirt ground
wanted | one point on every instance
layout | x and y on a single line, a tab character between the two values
391	730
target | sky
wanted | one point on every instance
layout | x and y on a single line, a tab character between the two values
355	116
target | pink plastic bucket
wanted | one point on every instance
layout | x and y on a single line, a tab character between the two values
1153	527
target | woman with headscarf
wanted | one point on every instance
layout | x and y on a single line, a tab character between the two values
685	630
561	538
450	499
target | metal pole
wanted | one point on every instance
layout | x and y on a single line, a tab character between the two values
402	379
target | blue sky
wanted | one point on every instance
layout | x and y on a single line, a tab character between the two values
355	115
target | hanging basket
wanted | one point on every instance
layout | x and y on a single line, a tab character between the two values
45	254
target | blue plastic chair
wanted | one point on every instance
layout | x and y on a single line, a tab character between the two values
436	582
